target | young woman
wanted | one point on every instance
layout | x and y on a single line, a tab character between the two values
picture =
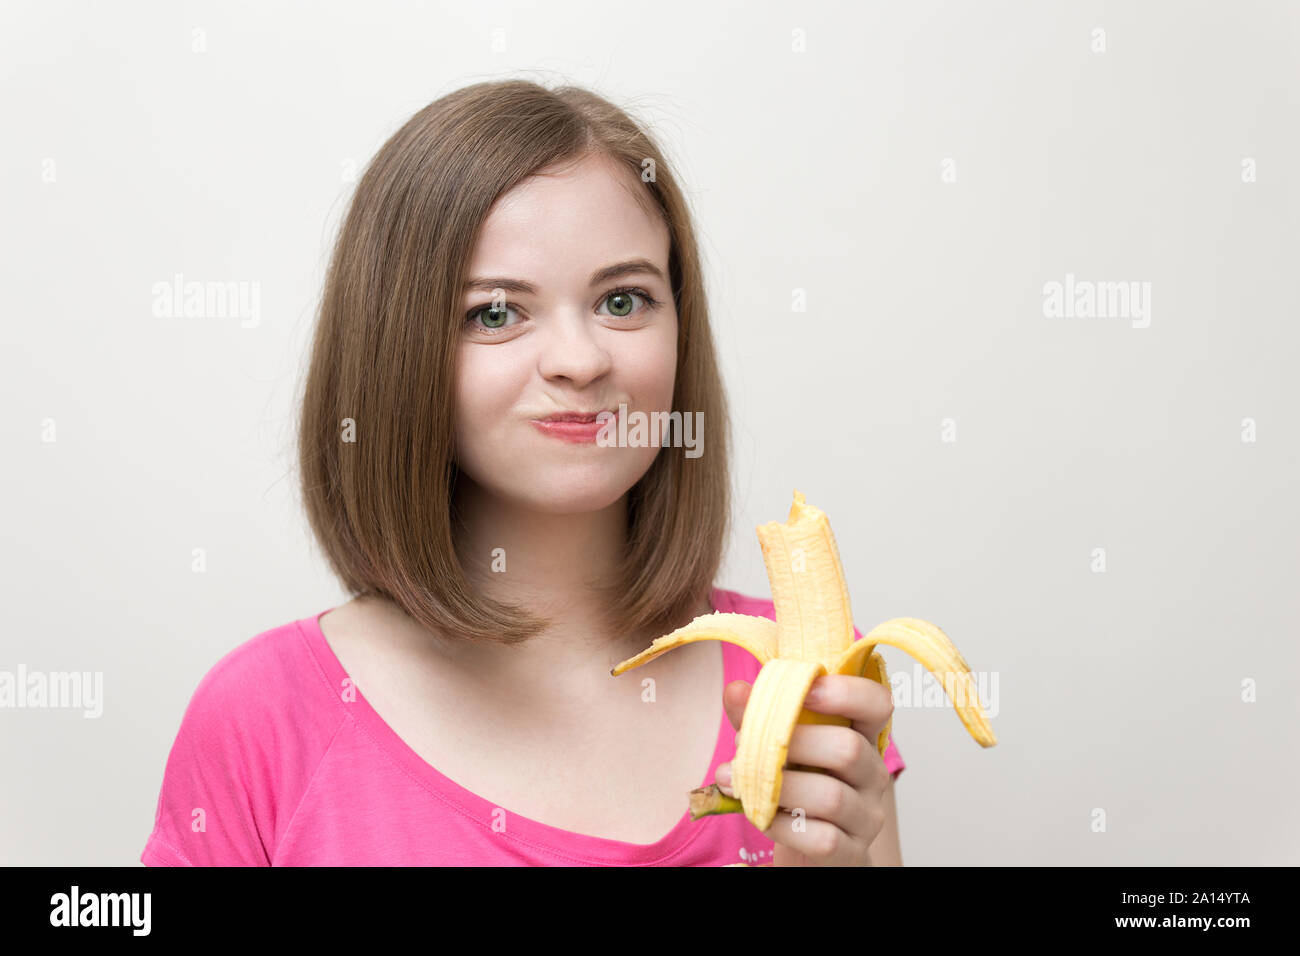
512	255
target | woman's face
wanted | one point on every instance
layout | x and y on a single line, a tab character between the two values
573	344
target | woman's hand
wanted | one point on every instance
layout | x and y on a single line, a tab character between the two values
842	811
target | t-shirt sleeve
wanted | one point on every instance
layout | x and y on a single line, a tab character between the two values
213	809
893	759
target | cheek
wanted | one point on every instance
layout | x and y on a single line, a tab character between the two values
485	393
651	366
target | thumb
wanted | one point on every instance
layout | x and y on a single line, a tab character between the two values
734	698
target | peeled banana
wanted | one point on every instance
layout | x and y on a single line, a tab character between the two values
811	636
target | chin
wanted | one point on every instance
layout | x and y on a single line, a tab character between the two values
576	494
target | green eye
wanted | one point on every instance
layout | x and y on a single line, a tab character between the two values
622	302
493	320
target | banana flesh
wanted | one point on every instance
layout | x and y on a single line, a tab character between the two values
811	636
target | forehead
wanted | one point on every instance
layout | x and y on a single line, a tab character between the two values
560	226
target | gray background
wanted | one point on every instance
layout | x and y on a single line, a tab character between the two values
817	170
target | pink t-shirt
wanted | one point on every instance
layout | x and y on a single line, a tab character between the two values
273	766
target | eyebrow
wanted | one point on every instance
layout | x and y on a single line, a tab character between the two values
600	276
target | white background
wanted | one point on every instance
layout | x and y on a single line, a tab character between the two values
817	170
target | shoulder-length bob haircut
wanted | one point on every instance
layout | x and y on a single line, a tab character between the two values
375	447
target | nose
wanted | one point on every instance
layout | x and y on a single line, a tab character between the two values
571	350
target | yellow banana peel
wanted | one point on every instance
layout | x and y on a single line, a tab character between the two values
811	636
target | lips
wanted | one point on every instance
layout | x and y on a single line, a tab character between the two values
577	427
574	416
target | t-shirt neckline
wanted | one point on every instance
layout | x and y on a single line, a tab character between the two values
555	841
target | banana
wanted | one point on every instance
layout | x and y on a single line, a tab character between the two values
811	636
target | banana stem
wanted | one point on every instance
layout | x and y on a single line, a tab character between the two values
710	800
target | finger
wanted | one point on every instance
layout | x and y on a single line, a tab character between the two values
734	698
821	843
844	752
867	703
820	796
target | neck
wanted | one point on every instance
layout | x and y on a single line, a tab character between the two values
546	563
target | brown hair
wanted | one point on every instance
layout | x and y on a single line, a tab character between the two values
382	503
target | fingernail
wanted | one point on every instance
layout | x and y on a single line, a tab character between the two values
723	778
